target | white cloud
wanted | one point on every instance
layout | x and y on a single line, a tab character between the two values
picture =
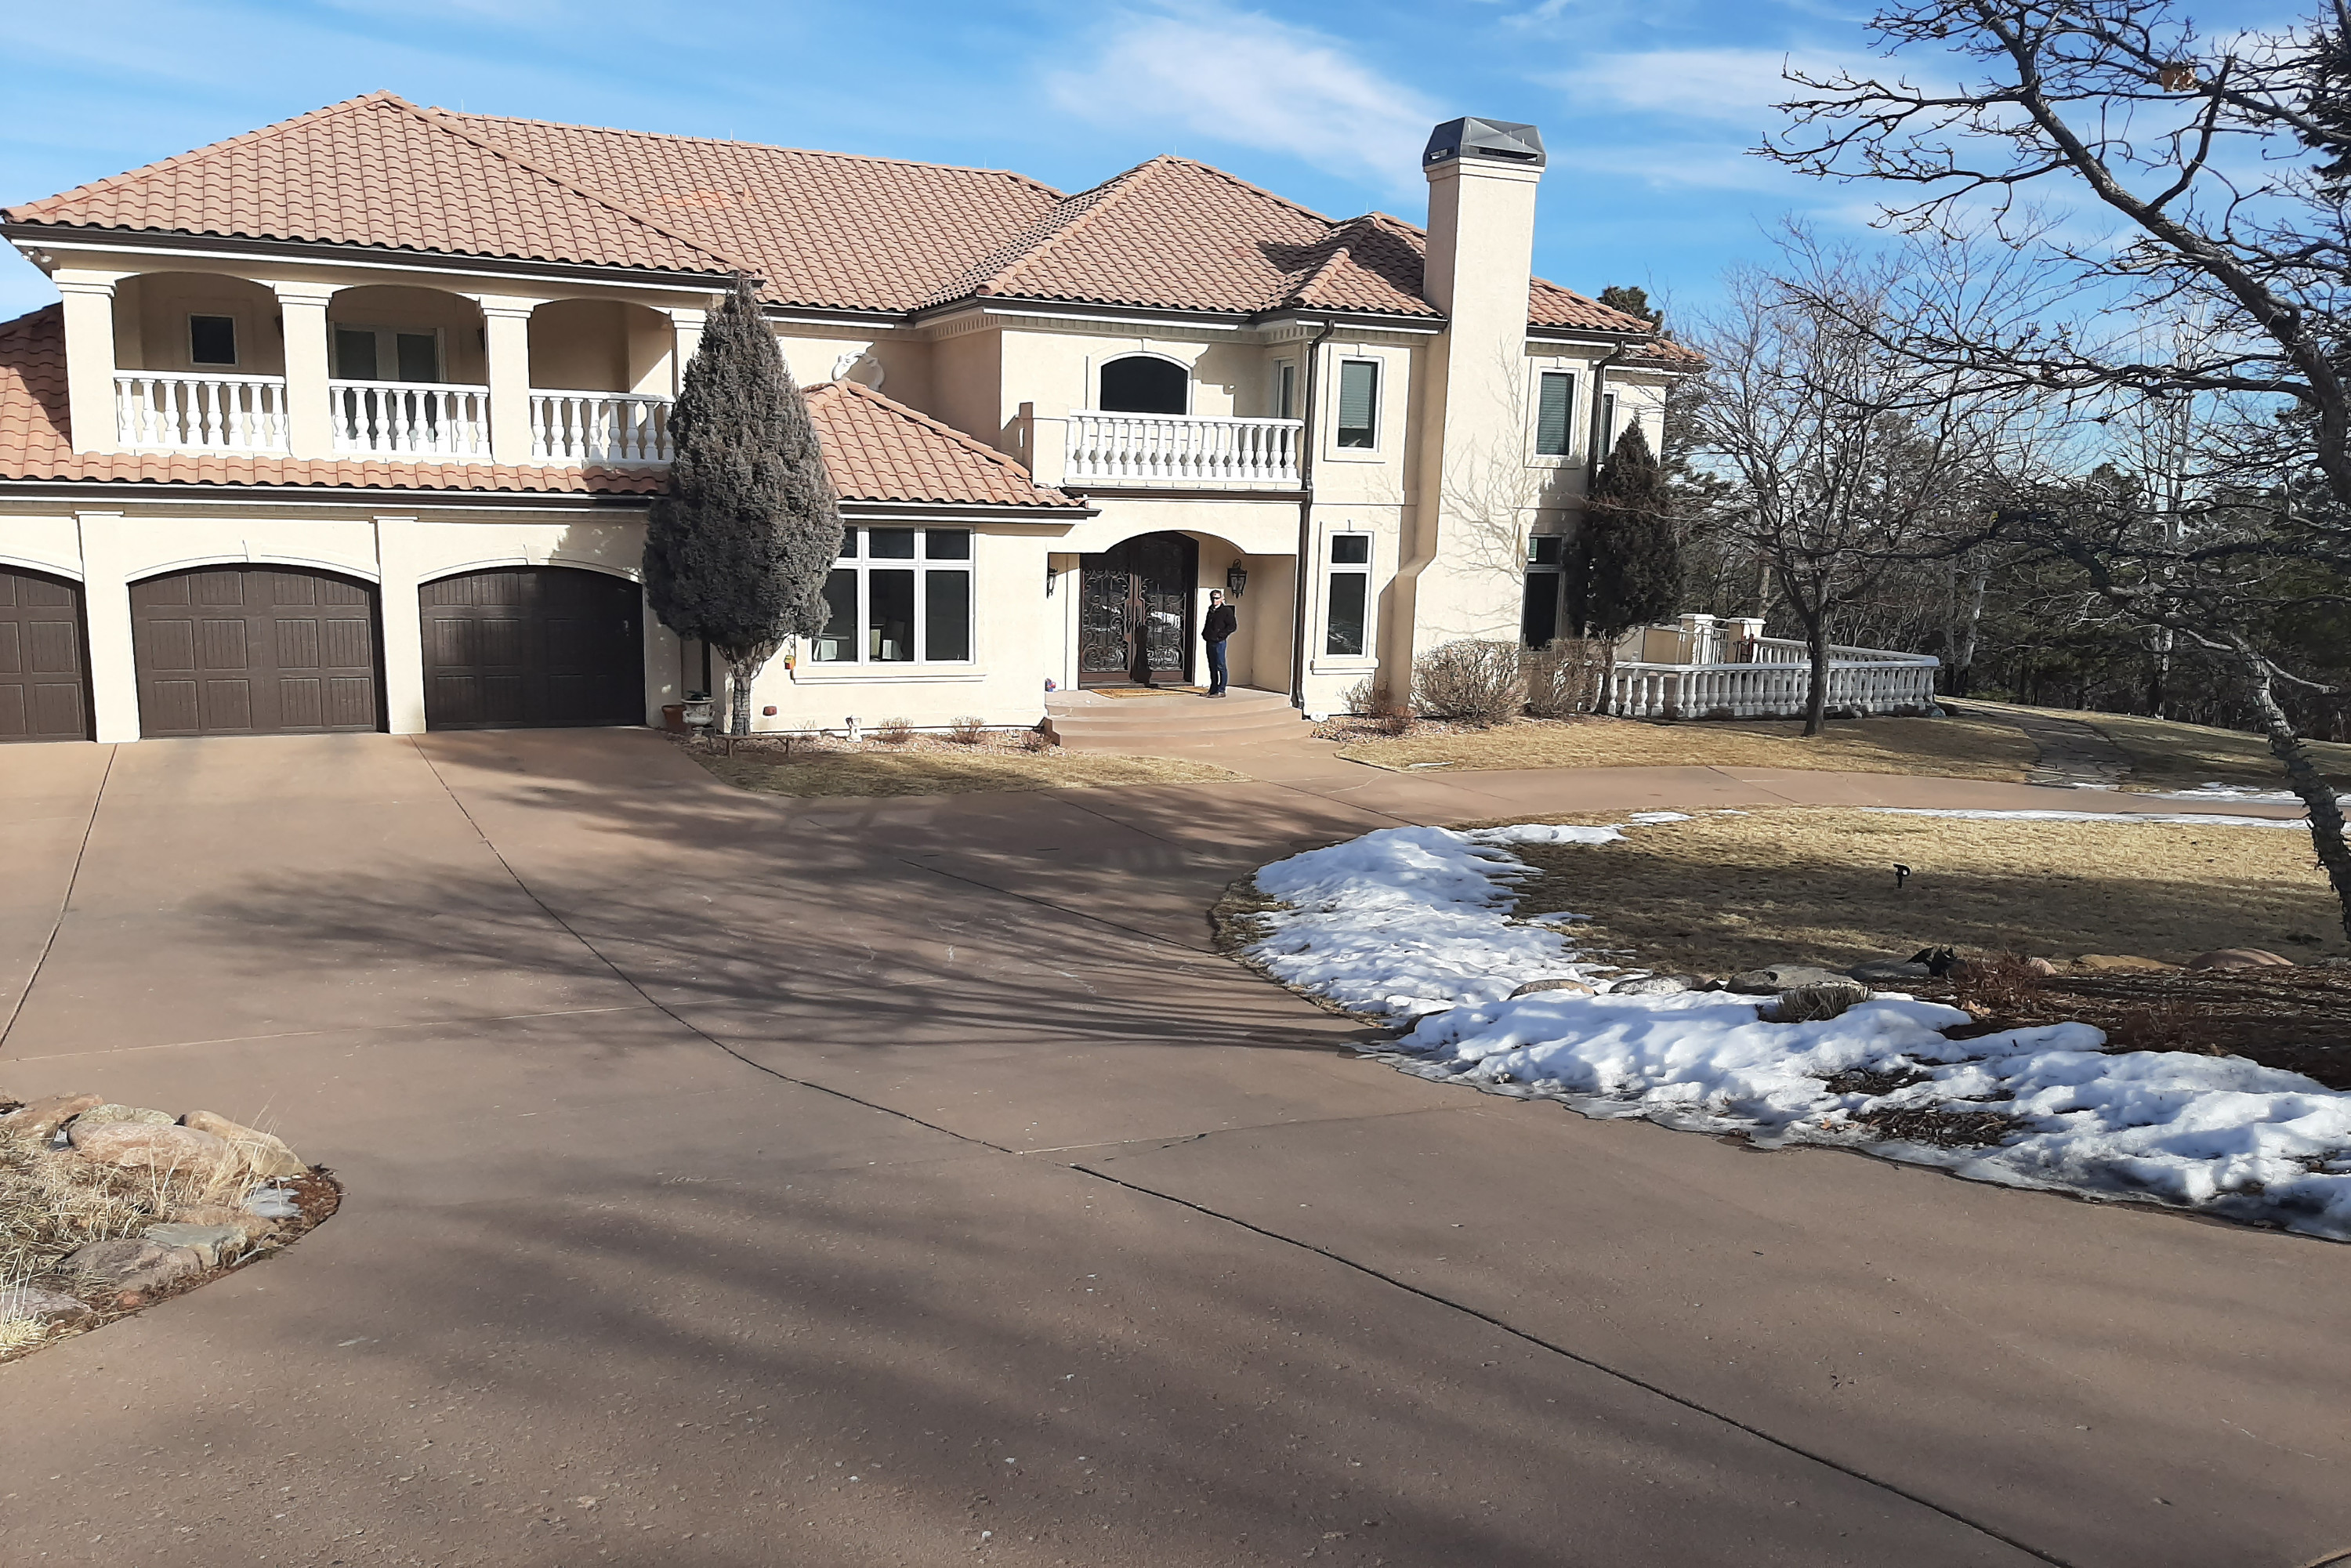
1242	78
1731	85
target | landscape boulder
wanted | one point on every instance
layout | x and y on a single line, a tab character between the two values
263	1154
111	1260
1880	971
146	1146
39	1121
18	1302
2040	967
1773	979
1577	986
2116	963
210	1242
2239	958
1815	1003
175	1264
1650	986
251	1224
116	1113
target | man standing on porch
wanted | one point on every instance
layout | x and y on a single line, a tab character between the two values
1216	628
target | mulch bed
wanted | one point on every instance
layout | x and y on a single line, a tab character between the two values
315	1193
2298	1020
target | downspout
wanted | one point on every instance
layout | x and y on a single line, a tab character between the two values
1594	457
1306	439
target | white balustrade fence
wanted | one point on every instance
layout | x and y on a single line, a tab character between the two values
411	419
200	411
598	427
1903	684
1181	449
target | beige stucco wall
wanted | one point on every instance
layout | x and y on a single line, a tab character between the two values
151	322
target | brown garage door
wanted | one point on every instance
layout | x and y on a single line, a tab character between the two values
254	650
532	647
44	683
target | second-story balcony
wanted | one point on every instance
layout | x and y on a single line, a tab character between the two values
1181	451
199	410
433	420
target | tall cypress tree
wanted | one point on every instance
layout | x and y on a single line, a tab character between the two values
1629	562
738	549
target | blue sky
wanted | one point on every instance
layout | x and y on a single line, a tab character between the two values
1647	105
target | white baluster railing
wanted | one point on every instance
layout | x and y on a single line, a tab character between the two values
180	410
1181	450
411	419
598	427
1775	690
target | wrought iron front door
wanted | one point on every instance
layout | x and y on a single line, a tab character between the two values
1135	611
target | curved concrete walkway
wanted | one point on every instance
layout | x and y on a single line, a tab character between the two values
739	1181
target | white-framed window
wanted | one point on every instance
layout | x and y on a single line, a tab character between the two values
1538	612
1285	389
1359	405
387	353
898	596
212	340
1347	596
1607	425
1554	414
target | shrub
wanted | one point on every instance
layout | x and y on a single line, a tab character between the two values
894	732
1036	740
1363	697
1476	683
968	730
1564	676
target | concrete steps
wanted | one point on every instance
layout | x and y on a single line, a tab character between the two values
1087	721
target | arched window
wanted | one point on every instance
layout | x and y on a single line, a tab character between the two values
1143	383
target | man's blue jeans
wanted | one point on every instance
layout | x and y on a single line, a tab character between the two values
1216	666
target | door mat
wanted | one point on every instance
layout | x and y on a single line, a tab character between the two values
1147	691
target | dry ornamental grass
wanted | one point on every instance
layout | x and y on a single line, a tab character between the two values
1726	890
933	765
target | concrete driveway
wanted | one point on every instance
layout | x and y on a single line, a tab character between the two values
738	1181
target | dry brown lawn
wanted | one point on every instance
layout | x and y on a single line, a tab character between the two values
1946	747
940	769
2168	755
1726	891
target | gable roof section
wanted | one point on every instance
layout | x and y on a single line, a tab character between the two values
825	229
876	450
378	171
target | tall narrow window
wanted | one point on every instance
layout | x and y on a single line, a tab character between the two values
1348	596
1607	424
1285	390
897	596
1359	403
212	340
1538	615
1556	413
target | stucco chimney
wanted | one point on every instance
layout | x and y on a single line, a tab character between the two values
1472	470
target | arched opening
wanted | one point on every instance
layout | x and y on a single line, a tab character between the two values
43	659
1145	384
1134	612
200	361
408	372
600	373
532	647
256	650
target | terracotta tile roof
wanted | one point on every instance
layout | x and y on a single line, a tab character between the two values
378	171
879	450
824	228
876	450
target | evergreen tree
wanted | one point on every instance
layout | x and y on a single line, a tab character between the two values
1633	302
738	549
1628	561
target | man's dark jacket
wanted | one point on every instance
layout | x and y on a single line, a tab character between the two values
1221	623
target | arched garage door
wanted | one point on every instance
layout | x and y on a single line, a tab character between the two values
44	681
532	647
254	650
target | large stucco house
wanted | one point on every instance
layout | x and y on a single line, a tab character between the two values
348	424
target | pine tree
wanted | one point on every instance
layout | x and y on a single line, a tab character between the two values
737	551
1633	302
1629	563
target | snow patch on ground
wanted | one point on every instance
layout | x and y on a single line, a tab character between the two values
1414	925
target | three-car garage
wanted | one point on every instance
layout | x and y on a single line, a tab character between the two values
270	649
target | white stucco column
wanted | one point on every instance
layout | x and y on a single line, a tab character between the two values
399	558
106	603
89	359
309	416
686	322
505	324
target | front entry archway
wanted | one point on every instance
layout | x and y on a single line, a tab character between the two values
1134	612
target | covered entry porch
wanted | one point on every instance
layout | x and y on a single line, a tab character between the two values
1126	605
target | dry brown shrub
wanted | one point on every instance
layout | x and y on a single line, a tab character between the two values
1998	983
1564	676
52	1201
894	731
2167	1025
1472	682
1036	740
968	730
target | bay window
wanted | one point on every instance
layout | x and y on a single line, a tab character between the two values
898	596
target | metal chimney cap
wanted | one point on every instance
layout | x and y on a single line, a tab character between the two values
1496	140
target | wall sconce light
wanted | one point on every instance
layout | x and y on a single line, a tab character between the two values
1052	579
1236	581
